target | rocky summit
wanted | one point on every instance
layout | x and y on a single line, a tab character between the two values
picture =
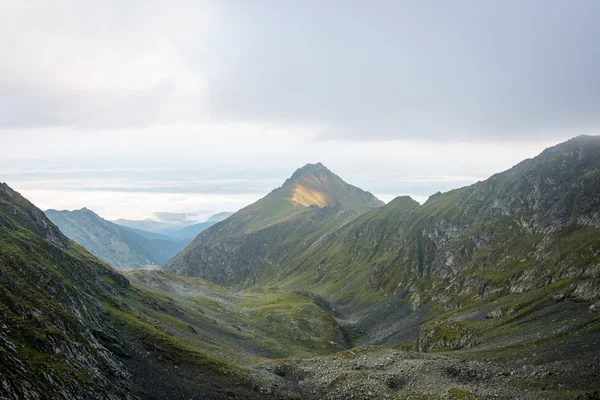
321	291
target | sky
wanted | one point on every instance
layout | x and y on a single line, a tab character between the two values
132	108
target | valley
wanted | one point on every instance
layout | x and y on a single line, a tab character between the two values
321	291
126	247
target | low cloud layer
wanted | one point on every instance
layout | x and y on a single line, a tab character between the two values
196	181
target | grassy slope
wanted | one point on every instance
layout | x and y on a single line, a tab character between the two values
70	324
492	267
471	237
239	327
45	333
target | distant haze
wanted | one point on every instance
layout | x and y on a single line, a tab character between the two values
197	107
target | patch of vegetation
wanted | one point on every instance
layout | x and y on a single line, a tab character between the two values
457	394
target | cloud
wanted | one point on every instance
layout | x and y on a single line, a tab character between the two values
464	70
93	64
115	205
203	175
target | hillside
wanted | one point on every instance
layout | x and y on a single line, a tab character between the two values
72	327
513	314
456	272
173	225
312	202
469	267
190	232
121	247
521	229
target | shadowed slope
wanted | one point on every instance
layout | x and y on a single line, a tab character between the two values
72	327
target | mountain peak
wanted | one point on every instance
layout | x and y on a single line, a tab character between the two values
310	169
585	139
316	185
581	143
87	212
15	210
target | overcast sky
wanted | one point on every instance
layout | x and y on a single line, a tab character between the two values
136	107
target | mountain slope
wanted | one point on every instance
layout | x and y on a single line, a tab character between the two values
312	202
48	347
219	216
521	229
71	327
173	225
121	247
190	232
498	280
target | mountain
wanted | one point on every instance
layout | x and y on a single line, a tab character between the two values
460	269
219	217
48	341
72	327
174	225
146	234
524	224
150	225
485	292
472	254
121	247
190	232
290	219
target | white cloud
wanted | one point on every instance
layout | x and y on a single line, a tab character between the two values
114	64
205	174
134	205
121	100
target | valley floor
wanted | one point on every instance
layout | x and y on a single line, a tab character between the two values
294	345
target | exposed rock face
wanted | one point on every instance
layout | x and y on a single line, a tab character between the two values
51	319
518	230
237	251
